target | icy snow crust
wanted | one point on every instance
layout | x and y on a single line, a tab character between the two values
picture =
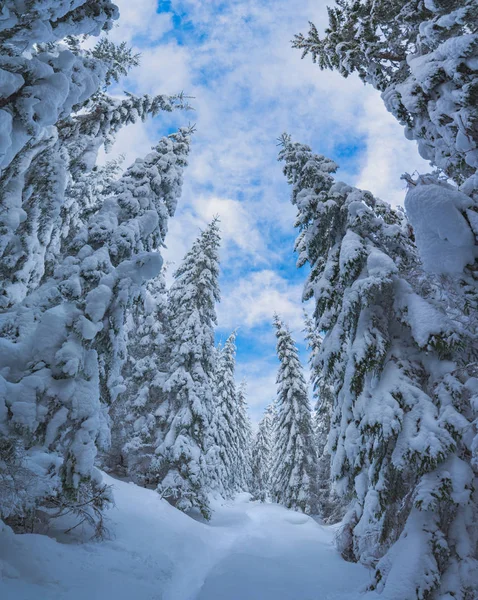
249	551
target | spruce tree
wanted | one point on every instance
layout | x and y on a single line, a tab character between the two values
62	371
45	84
46	182
294	470
319	420
243	427
422	57
223	456
331	508
136	416
271	412
77	245
180	465
398	366
52	138
42	82
262	458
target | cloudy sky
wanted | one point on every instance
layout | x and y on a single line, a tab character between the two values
235	58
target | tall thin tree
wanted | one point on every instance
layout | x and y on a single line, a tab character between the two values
181	467
294	469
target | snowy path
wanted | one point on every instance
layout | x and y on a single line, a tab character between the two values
250	551
279	555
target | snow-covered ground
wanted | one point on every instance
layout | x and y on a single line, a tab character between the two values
249	551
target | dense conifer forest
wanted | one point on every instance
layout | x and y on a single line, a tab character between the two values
116	389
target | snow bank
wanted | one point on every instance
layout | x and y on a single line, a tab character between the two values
249	551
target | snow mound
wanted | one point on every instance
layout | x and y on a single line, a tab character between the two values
156	552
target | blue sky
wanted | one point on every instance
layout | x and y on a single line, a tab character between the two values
249	86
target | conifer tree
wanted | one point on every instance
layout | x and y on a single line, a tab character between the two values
181	468
243	427
399	369
56	115
41	83
41	86
224	433
314	342
46	183
72	353
271	411
294	474
422	57
77	245
137	419
47	85
262	458
331	508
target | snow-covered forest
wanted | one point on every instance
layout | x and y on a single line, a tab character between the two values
130	463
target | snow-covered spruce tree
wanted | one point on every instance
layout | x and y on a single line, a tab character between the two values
132	225
294	468
243	426
401	435
136	416
83	197
44	183
223	455
43	84
422	57
55	114
271	411
319	419
63	347
180	465
39	85
262	458
331	508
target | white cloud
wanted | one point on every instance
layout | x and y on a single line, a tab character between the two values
163	69
260	376
132	141
252	300
140	20
236	224
388	153
240	237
